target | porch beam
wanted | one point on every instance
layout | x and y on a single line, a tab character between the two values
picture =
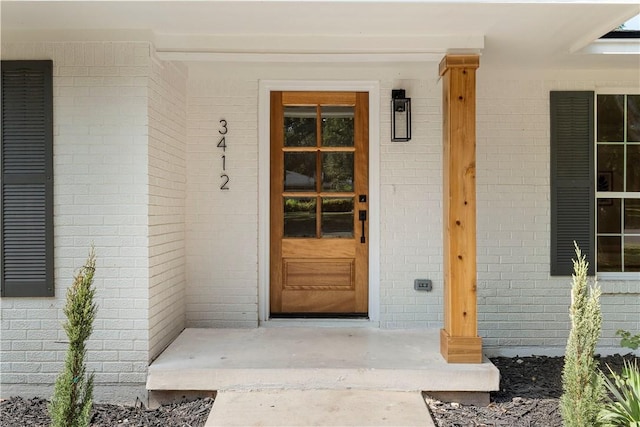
459	341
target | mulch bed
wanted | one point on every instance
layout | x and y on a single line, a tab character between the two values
19	412
530	389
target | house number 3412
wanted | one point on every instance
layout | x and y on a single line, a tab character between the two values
223	144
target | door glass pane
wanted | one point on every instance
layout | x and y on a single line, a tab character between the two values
610	167
633	118
300	171
299	217
632	253
337	126
610	118
632	216
337	171
299	126
609	254
609	216
337	217
633	167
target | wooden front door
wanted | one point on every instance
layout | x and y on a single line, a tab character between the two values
319	203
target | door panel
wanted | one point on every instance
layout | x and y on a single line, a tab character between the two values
319	192
314	274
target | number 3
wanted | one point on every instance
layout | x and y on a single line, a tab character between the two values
224	129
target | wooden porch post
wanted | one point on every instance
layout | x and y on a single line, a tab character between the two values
459	341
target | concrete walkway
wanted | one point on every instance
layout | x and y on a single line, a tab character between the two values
319	408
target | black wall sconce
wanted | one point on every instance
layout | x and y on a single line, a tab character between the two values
400	116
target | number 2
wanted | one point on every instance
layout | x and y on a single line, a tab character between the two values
225	177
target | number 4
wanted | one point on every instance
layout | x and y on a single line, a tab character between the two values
222	144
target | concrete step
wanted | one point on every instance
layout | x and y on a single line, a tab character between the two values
319	408
307	358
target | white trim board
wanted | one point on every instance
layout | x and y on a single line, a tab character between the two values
265	88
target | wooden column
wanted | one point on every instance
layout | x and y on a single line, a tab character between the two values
459	341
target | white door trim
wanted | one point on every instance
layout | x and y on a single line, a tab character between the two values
265	88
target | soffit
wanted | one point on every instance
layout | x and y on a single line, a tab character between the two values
505	32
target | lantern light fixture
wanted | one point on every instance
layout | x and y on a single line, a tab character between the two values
400	116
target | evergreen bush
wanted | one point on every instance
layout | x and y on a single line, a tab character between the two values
73	393
582	385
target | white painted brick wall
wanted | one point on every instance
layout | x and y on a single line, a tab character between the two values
167	189
520	305
222	240
101	198
222	226
120	173
411	207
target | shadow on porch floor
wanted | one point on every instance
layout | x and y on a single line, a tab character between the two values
315	358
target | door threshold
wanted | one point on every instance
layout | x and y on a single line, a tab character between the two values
339	316
361	322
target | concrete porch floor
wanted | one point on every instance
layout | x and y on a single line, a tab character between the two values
314	358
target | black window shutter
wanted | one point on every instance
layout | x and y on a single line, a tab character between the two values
26	203
572	180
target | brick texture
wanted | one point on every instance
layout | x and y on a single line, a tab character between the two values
167	190
138	174
222	225
522	310
101	197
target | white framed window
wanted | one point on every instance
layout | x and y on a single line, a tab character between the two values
617	152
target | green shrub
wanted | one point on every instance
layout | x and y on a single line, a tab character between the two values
628	340
73	393
581	383
623	405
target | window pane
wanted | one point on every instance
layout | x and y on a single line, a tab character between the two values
609	254
632	216
611	118
633	118
337	171
337	217
609	216
299	217
299	171
633	167
610	167
299	126
337	126
632	253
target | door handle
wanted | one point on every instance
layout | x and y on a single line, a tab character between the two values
362	216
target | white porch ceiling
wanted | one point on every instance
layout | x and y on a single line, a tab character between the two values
512	34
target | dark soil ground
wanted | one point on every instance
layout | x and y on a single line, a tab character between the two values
530	388
528	397
19	412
